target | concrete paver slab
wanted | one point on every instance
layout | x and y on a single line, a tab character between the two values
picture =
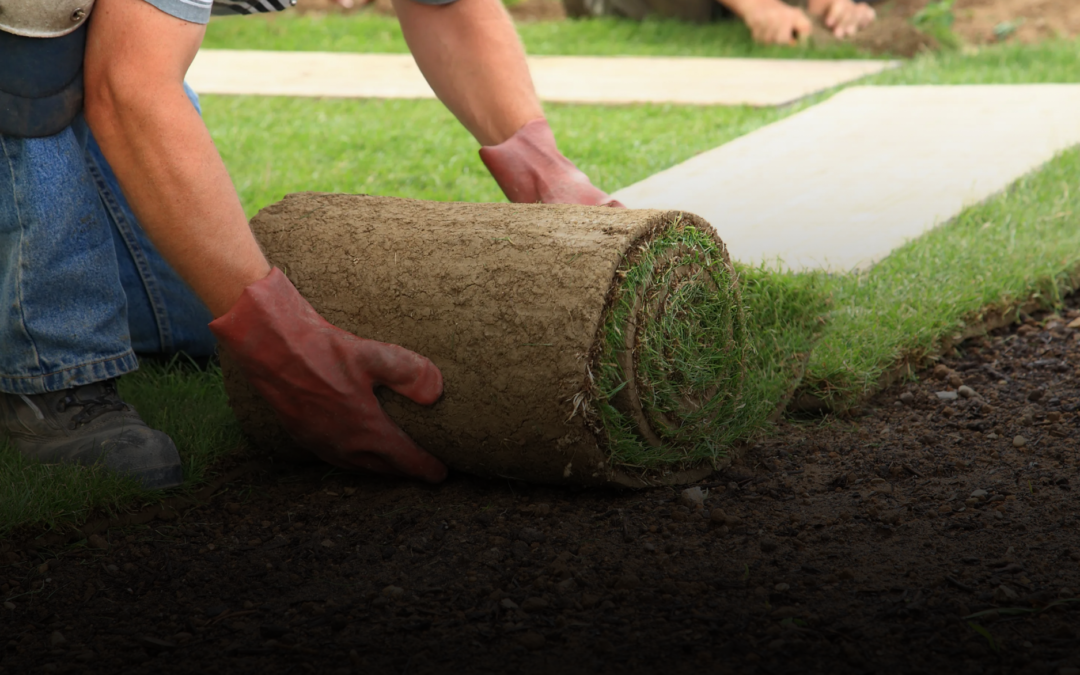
568	79
841	184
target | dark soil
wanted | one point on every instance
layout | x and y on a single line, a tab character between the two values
916	537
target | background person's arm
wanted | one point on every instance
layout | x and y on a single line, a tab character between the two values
470	53
162	153
771	21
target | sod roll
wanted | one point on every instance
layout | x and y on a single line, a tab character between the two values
582	345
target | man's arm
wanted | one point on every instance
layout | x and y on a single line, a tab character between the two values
320	380
155	141
471	56
470	53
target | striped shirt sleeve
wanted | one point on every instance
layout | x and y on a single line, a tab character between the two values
195	11
199	11
251	6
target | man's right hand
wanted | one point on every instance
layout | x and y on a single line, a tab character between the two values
772	21
320	380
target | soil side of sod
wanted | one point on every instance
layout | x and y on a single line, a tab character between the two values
918	535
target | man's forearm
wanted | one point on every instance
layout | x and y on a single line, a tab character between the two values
162	153
471	56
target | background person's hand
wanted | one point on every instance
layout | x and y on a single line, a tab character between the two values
843	17
320	380
774	22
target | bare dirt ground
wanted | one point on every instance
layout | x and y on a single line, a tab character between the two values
975	22
934	531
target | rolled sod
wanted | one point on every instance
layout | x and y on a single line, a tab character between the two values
582	345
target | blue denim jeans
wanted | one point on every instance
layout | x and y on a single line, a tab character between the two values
82	288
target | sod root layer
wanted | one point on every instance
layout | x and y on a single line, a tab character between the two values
578	345
917	537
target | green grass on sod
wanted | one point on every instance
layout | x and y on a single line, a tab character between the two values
1020	244
686	363
374	33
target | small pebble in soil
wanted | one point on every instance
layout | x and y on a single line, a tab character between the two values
781	588
531	640
57	640
1019	442
979	494
507	603
534	604
966	392
907	397
627	582
1005	594
1035	395
566	586
10	606
692	498
97	541
946	395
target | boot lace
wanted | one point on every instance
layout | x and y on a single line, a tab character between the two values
92	408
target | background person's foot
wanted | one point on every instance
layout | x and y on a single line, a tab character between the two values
87	425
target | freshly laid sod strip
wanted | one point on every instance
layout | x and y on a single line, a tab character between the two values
1021	246
187	403
565	79
578	345
372	33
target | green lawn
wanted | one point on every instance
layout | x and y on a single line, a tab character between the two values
1020	244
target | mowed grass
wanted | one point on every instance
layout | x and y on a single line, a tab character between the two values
374	33
274	146
1020	244
187	403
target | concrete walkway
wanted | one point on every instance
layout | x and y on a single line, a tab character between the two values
840	185
567	79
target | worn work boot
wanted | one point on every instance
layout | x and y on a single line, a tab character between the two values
90	424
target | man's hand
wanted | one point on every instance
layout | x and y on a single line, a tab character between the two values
772	21
320	380
843	17
529	168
